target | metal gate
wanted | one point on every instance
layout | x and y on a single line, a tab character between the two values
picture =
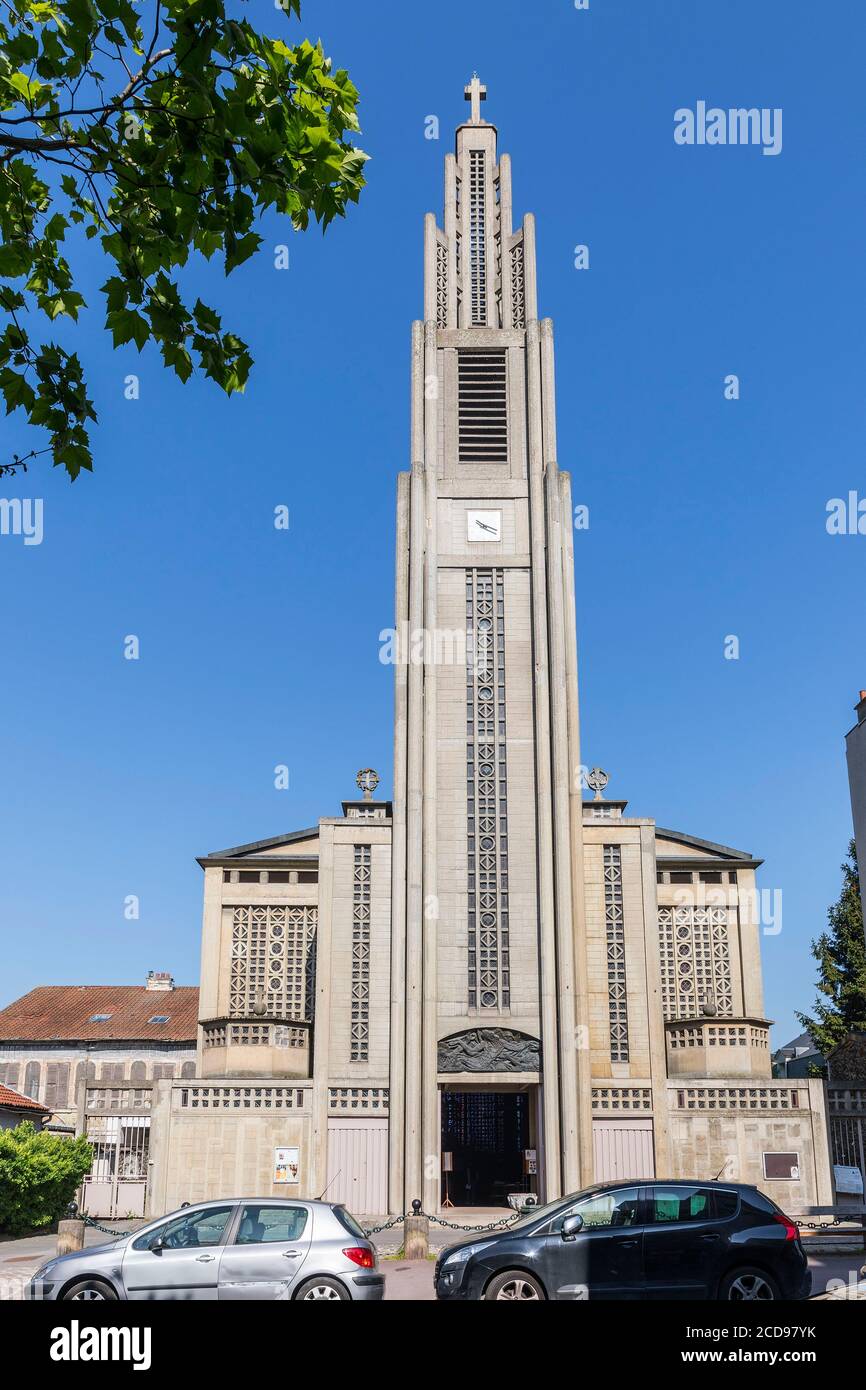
358	1164
622	1149
117	1183
847	1109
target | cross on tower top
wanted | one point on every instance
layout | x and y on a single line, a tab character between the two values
476	92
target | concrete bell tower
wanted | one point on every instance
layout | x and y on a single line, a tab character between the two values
487	891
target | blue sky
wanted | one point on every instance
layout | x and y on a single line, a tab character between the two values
707	516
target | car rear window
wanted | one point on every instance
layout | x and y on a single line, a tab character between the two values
684	1203
261	1224
758	1201
680	1204
346	1219
726	1204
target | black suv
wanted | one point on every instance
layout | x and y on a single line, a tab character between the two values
636	1240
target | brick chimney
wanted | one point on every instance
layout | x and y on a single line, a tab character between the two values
860	707
159	979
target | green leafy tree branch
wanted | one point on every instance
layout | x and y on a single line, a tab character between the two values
161	127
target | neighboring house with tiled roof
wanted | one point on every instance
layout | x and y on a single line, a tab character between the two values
14	1108
59	1040
90	1055
798	1058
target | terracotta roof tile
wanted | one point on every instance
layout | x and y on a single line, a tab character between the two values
65	1013
15	1101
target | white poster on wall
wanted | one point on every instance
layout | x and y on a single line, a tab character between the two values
286	1165
848	1180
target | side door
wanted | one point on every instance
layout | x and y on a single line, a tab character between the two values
265	1251
604	1260
179	1259
684	1242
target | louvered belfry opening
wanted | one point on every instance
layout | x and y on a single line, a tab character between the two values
478	236
482	406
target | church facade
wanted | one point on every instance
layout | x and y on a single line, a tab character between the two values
498	981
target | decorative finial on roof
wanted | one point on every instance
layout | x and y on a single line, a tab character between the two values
597	780
368	781
476	92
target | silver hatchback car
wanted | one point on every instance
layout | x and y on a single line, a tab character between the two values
267	1248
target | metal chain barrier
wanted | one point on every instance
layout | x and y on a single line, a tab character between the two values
503	1224
386	1225
825	1225
491	1226
89	1221
507	1221
73	1214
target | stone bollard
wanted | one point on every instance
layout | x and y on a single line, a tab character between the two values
70	1236
416	1234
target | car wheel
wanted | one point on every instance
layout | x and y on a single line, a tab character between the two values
93	1290
323	1287
748	1286
515	1286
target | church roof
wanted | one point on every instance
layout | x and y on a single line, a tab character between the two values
101	1013
261	846
712	850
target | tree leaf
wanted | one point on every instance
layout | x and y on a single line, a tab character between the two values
228	126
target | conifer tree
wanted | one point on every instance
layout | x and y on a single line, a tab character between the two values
841	956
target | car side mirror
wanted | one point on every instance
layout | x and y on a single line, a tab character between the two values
157	1245
571	1226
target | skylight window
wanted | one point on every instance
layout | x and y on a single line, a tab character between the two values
159	1018
99	1018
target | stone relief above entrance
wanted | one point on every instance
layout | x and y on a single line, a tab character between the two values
489	1049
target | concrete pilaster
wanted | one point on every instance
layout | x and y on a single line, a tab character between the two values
560	778
322	1043
541	666
430	1097
413	1170
211	952
578	903
397	1039
750	927
655	1010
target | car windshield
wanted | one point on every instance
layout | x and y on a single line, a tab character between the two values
541	1214
531	1218
192	1228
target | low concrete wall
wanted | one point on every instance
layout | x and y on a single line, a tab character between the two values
225	1148
731	1143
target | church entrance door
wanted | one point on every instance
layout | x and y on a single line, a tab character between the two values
486	1147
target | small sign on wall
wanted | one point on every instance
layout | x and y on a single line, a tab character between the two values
782	1166
286	1165
848	1180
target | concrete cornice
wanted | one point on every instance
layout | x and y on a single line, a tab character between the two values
712	1020
262	861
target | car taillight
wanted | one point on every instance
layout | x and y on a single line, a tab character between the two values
361	1255
791	1231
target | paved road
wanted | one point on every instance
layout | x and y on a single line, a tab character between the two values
405	1281
408	1280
